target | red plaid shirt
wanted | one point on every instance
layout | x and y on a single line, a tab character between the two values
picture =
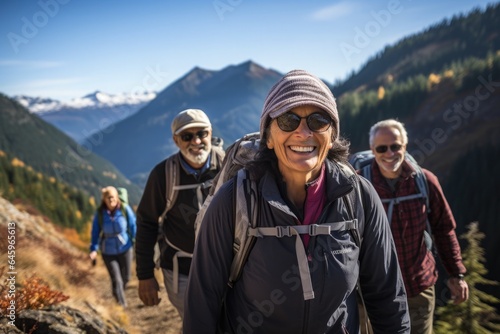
408	223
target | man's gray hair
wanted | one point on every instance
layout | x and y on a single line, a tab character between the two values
389	123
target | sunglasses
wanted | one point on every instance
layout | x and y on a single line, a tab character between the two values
383	148
188	136
317	122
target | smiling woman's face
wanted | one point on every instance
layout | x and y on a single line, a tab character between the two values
302	151
111	200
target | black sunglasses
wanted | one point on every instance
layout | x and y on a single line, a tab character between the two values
383	148
188	136
317	122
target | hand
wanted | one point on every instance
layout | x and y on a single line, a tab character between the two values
93	255
148	291
459	290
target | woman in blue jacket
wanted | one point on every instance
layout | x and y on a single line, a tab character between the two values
320	231
113	232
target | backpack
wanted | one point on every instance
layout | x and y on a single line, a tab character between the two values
123	195
237	155
362	161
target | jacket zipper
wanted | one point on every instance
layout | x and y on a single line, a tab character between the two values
306	317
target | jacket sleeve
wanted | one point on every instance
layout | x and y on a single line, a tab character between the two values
149	210
443	227
96	231
210	266
380	276
132	226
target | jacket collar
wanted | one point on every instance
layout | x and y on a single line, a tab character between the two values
338	183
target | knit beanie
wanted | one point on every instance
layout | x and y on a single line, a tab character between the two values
298	88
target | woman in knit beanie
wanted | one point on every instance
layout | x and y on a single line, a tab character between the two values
321	233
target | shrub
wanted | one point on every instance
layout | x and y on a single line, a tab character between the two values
33	294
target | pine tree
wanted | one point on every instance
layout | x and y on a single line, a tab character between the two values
476	315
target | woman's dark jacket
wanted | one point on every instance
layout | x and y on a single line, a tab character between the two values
268	297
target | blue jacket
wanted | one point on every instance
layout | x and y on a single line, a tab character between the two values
268	298
118	232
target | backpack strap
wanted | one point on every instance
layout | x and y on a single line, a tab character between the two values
366	171
397	200
246	229
245	217
358	211
175	260
172	180
172	188
123	209
420	179
350	201
100	222
297	230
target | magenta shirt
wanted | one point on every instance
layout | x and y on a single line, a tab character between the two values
315	201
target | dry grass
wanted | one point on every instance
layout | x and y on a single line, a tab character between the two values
44	251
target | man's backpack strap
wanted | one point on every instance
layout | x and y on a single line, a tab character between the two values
172	188
172	180
420	179
175	261
397	200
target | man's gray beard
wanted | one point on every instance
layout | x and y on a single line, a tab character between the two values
197	159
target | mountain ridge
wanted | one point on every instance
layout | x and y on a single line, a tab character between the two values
471	34
81	117
48	150
231	97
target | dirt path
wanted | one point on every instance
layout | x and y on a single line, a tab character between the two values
151	319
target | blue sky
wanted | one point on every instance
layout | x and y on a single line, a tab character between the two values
64	49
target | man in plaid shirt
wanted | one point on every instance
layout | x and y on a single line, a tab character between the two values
393	177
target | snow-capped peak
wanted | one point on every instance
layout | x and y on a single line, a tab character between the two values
97	99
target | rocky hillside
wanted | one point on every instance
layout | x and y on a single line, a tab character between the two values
43	252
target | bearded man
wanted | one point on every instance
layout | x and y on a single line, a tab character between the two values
188	174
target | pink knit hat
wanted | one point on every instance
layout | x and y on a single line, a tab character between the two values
298	88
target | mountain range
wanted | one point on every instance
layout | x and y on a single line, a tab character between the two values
81	117
231	97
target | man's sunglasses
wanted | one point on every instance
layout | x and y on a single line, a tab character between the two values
317	122
188	136
383	148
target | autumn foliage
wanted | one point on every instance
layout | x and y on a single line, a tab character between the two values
32	294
